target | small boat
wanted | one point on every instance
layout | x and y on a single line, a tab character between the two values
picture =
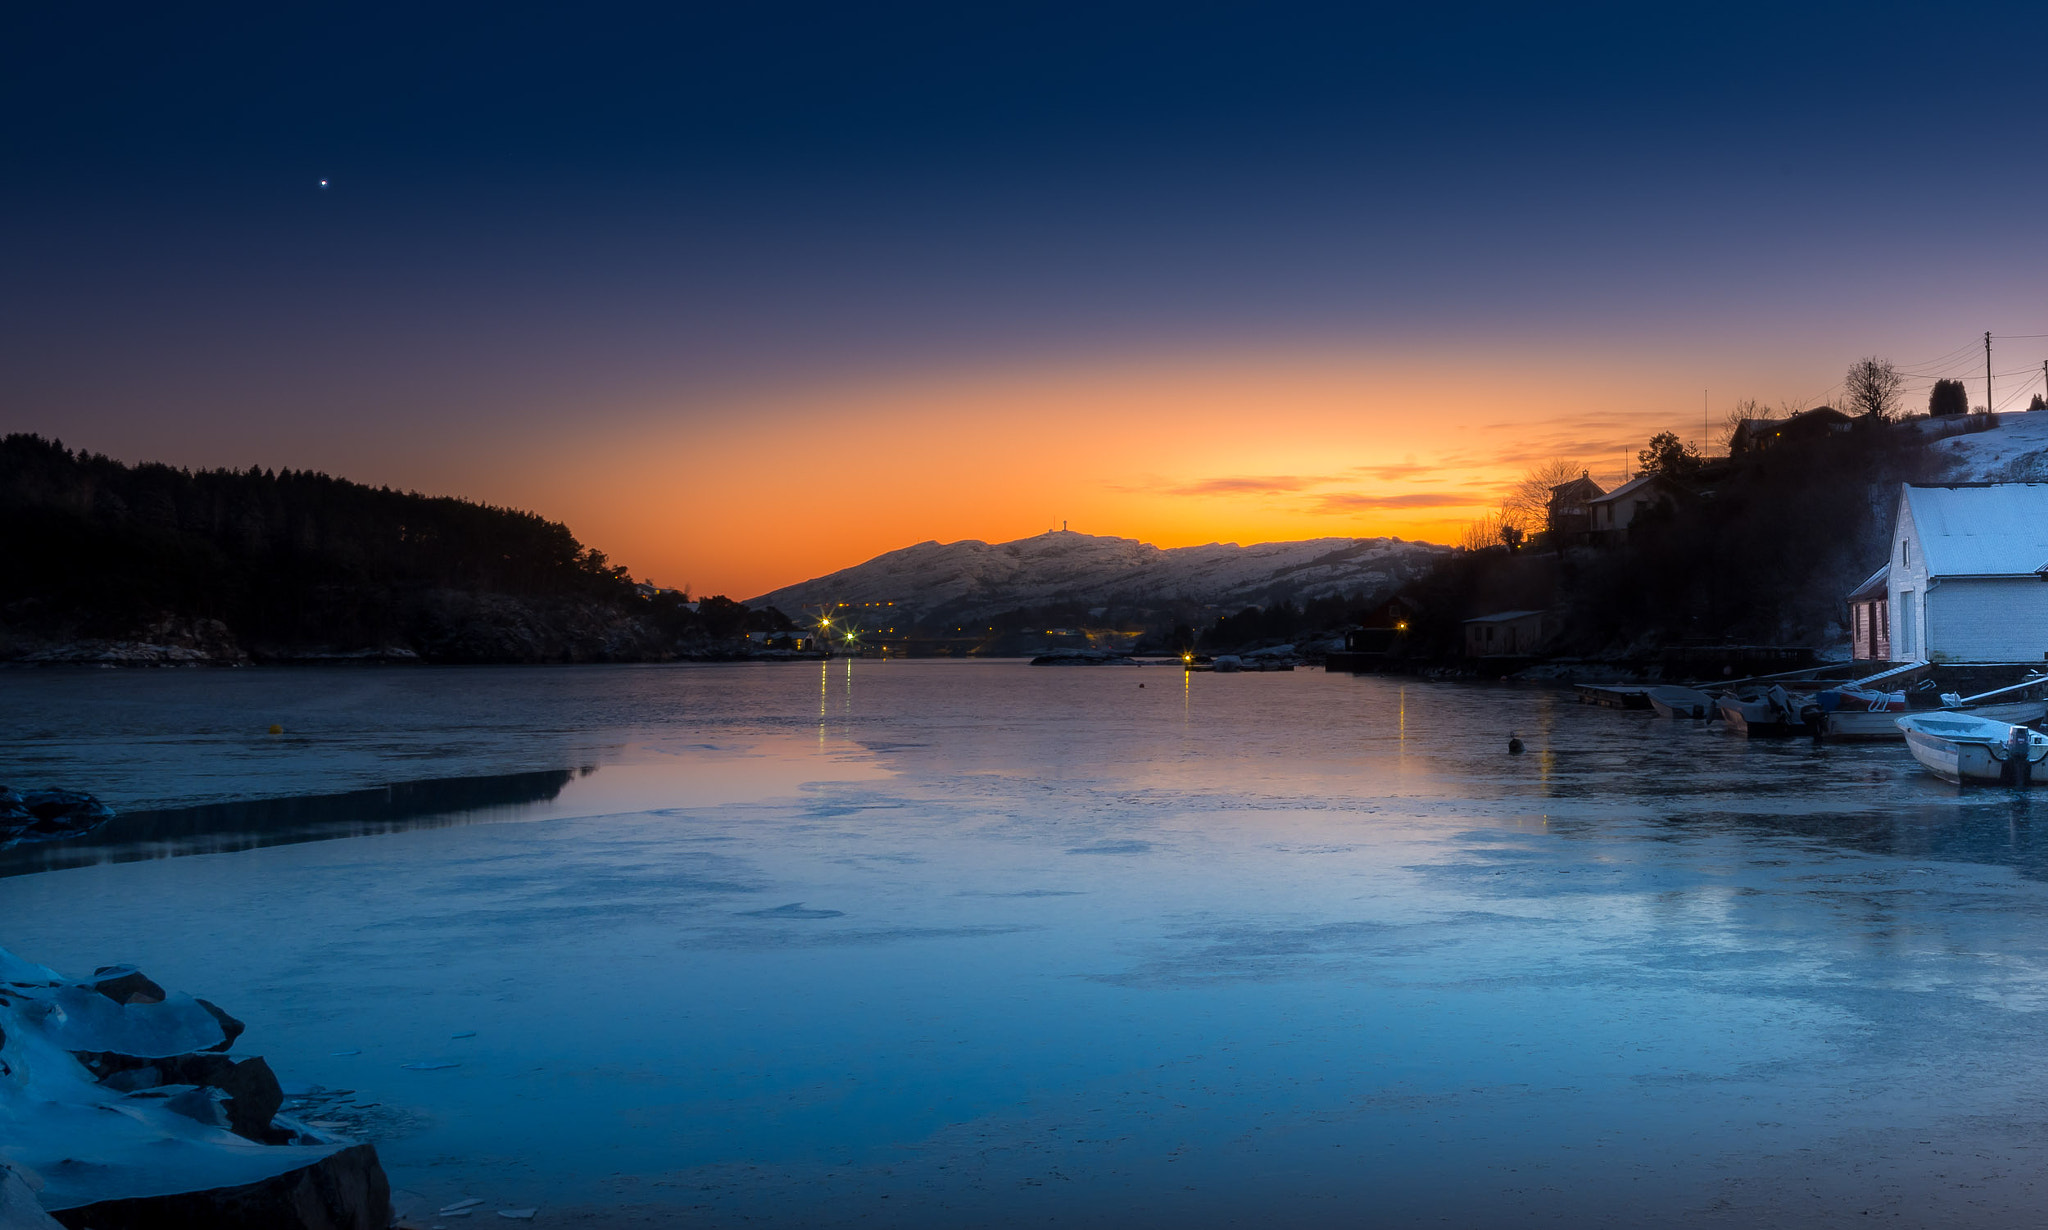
1960	747
1881	725
1672	701
1773	711
1852	714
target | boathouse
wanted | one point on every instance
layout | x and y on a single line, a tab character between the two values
1506	633
1968	575
1870	617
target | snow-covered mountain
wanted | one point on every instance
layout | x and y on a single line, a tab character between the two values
973	579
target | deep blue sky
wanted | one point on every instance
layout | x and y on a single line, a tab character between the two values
566	215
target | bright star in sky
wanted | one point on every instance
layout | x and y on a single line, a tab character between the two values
323	183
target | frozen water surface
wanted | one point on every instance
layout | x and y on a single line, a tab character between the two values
952	943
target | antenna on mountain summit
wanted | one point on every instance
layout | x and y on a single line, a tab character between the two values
1063	527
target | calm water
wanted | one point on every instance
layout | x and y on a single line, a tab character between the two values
956	944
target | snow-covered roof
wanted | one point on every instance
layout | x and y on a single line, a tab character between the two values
1628	488
1993	530
1503	617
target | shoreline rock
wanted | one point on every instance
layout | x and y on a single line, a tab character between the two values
121	1109
47	815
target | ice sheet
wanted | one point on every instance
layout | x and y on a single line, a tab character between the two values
996	945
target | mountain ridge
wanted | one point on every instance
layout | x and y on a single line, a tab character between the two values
972	579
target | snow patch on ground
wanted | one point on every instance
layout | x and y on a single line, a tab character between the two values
2016	451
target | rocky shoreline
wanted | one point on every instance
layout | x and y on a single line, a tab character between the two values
125	1107
505	632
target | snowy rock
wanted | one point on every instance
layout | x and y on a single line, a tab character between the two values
124	984
41	815
120	1110
346	1190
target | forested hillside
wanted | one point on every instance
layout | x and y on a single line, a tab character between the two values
222	564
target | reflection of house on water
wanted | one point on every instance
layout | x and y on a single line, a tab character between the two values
218	828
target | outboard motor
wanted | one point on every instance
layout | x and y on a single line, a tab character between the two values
2015	771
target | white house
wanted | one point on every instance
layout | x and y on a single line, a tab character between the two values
1968	576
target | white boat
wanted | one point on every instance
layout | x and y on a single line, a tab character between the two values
1843	726
1773	711
1675	702
1960	747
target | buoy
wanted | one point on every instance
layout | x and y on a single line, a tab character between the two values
1514	746
276	729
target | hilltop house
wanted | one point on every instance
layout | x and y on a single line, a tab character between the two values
1756	435
1568	516
1968	575
1614	512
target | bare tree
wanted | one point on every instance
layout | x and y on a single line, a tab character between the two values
1872	388
1481	534
1527	506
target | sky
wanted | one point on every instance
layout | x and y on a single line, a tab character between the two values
746	294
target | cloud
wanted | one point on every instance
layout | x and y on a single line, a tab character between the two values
1391	473
1273	485
1344	502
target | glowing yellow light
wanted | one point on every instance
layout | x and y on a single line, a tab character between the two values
1402	626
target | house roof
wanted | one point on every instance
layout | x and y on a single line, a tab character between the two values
1573	488
1875	587
1631	487
1987	530
1503	617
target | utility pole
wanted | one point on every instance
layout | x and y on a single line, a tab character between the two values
1703	419
1987	371
2044	371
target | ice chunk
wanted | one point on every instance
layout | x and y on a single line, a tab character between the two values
19	1209
518	1214
460	1205
78	1019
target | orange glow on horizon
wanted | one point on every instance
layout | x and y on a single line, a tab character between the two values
750	493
